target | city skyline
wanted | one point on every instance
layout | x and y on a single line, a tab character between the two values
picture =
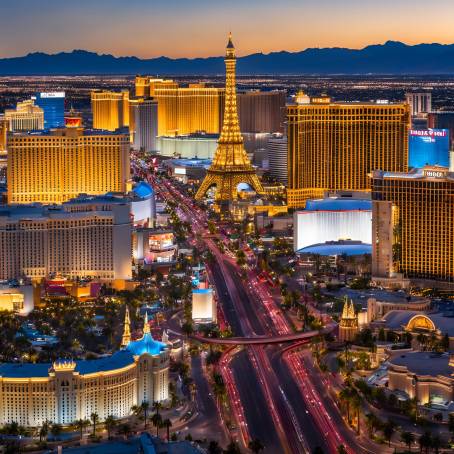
53	27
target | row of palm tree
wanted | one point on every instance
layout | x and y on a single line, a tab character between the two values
142	411
426	441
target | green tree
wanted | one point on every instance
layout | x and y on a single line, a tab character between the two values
110	424
255	445
125	430
167	424
43	431
232	448
144	408
94	419
80	425
407	438
388	430
425	441
56	430
156	419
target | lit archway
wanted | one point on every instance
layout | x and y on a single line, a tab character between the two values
420	322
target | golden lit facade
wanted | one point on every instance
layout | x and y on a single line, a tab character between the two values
335	146
146	85
348	325
3	133
37	241
26	117
66	391
419	229
187	110
110	109
56	167
230	165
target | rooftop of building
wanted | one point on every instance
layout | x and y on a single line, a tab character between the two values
118	360
381	295
146	345
399	319
425	363
338	248
38	212
432	173
188	162
338	204
61	132
193	136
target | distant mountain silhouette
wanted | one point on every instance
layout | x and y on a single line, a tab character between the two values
389	58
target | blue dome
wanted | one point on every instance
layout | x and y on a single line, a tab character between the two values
143	190
338	248
146	345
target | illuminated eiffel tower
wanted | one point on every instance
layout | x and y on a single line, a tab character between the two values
230	165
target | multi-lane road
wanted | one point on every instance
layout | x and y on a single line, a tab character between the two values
272	394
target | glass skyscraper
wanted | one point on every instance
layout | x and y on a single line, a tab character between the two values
53	105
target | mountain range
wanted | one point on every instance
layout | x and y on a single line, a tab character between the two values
390	58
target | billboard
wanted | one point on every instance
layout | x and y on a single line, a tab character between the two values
428	147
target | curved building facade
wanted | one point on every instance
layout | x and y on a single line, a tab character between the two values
333	219
66	391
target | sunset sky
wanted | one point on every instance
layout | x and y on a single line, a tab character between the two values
194	28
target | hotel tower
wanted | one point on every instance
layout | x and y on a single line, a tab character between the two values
334	146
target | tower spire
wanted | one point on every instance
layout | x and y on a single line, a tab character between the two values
230	165
146	326
126	338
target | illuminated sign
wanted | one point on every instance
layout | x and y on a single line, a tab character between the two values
429	132
180	171
428	147
52	94
434	173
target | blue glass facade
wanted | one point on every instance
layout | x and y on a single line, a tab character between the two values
428	147
53	105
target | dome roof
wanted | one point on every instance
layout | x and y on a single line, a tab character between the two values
146	345
143	190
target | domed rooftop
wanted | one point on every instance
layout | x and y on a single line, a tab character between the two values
146	344
143	190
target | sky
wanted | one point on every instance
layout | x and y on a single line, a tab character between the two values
198	28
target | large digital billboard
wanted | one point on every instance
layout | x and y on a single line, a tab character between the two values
428	147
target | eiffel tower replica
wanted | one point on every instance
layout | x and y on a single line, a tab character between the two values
230	165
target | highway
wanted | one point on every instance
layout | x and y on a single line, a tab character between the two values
267	385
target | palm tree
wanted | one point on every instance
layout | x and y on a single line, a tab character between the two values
407	438
43	431
110	424
56	430
125	430
425	441
256	445
80	424
145	407
157	406
372	423
388	430
167	423
345	397
94	419
156	419
356	405
436	443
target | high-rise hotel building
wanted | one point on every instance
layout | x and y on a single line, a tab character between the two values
66	391
25	117
110	109
75	240
413	228
185	110
334	146
55	166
